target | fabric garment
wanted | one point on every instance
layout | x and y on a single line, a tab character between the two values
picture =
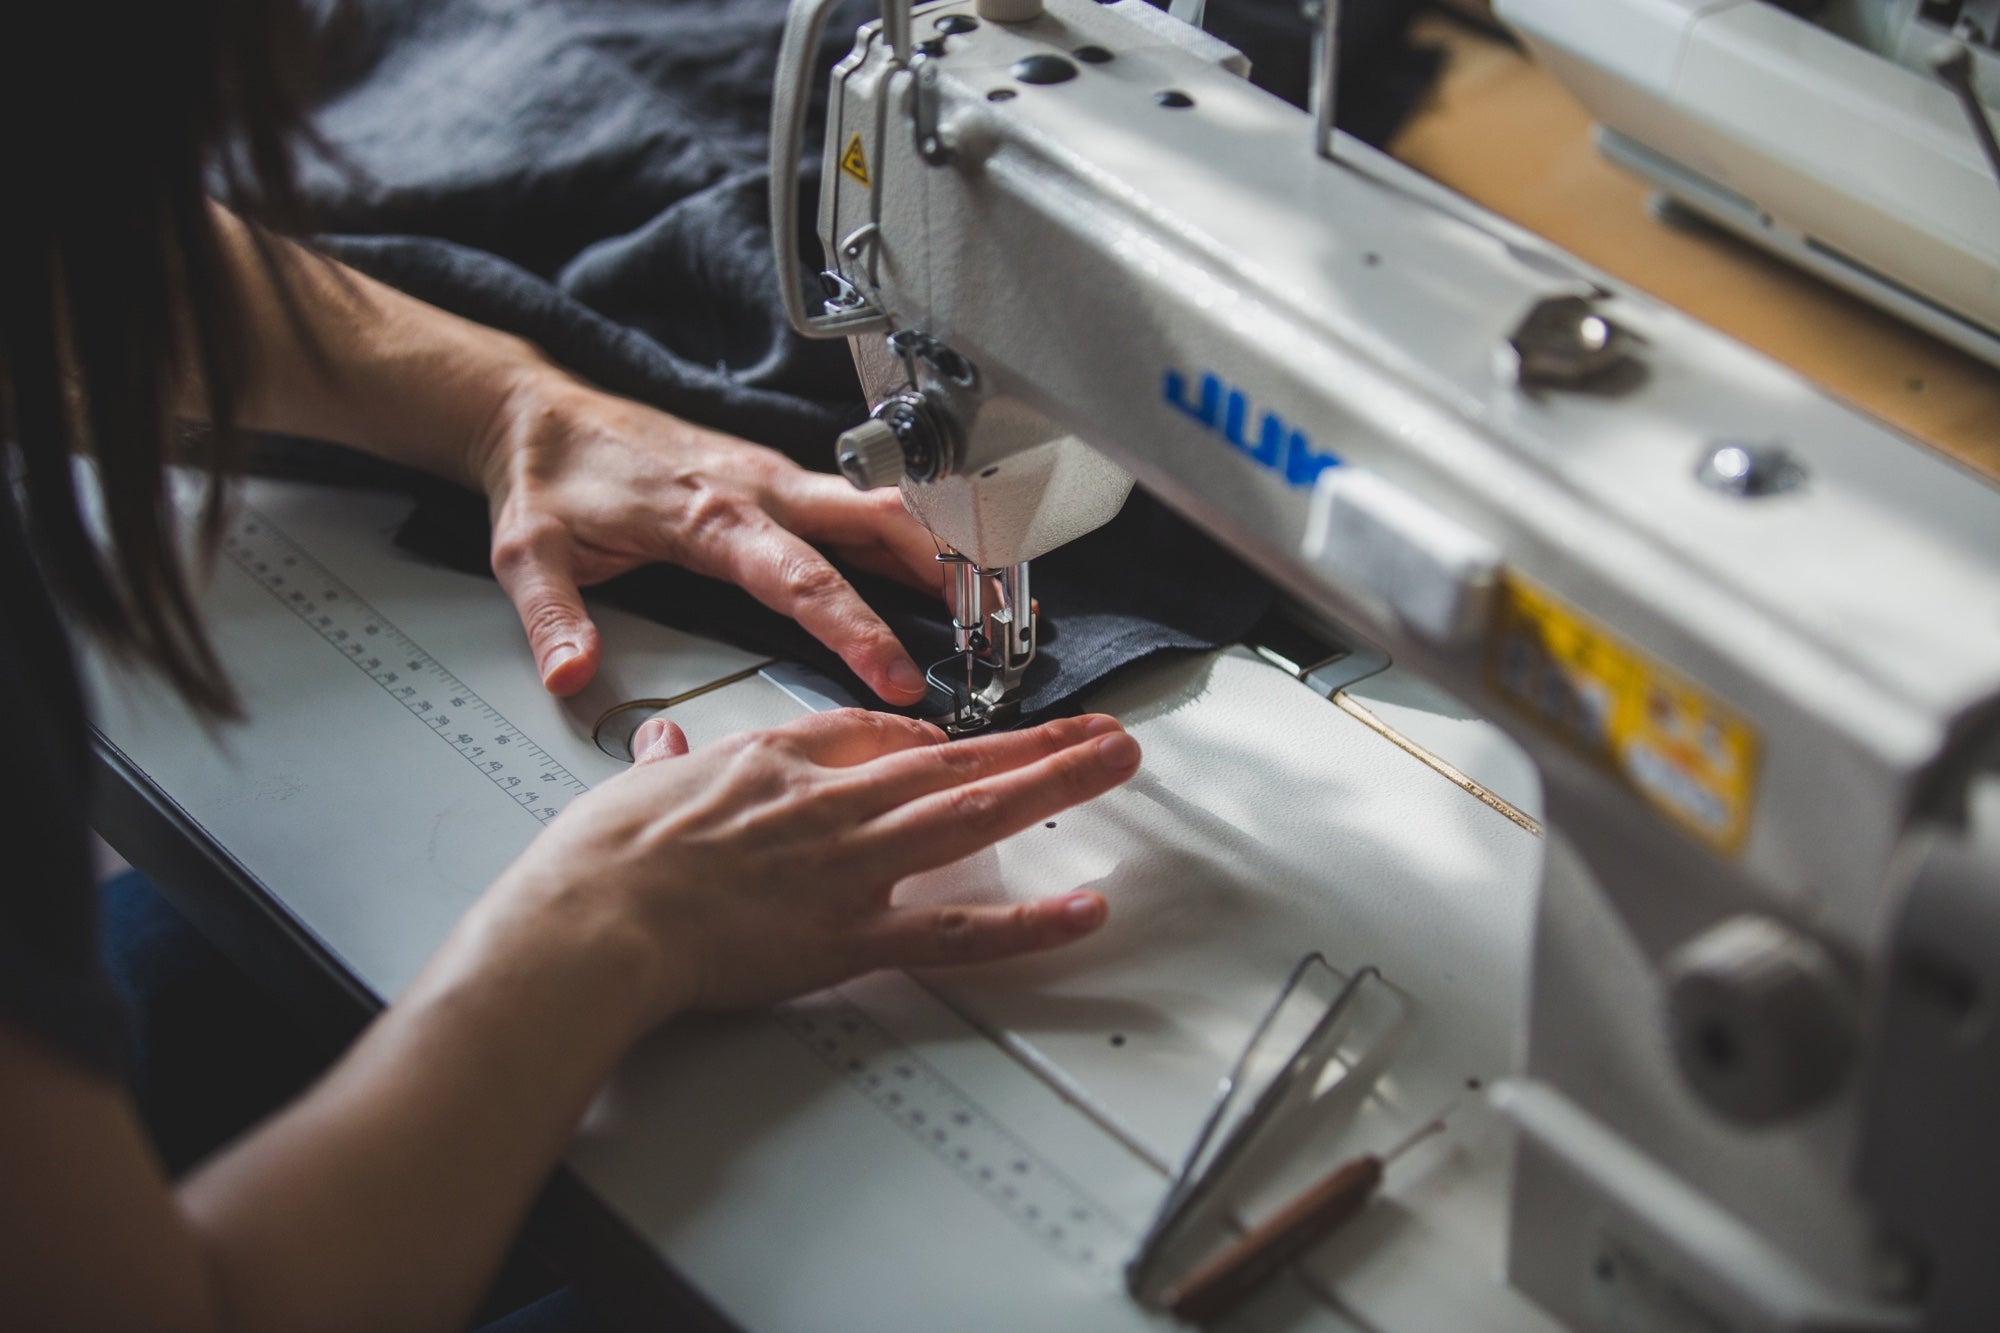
210	1055
51	982
591	174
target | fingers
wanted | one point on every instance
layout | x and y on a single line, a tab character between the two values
898	779
827	509
784	573
850	736
956	821
886	564
937	936
658	739
535	566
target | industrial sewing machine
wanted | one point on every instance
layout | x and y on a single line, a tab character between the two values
1750	637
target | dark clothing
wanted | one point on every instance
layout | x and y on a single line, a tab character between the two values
51	982
211	1056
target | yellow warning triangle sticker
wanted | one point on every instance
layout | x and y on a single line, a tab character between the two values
855	162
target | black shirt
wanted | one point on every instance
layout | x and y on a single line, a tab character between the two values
52	982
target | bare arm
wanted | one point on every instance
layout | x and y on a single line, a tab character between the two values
582	485
384	1197
382	1200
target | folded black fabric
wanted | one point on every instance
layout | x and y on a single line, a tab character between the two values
590	174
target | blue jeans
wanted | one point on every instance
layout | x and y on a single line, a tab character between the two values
211	1056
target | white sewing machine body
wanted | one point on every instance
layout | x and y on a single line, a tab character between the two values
1750	637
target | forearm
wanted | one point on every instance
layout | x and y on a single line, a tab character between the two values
385	1198
389	374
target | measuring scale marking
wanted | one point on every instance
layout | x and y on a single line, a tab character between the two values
499	750
926	1106
958	1132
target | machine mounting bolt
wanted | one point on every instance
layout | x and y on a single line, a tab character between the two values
1749	471
1563	342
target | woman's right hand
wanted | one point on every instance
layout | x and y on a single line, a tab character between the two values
763	866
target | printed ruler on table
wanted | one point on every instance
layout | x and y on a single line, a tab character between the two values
406	674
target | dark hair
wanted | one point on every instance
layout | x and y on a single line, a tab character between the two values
119	314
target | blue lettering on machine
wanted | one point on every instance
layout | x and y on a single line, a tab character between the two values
1225	410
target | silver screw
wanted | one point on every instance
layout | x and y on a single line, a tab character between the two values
1749	471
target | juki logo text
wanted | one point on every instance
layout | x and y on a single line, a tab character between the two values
1225	410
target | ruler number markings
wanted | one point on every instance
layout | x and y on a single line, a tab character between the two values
957	1131
481	735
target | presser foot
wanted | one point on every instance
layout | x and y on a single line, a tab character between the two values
968	695
977	688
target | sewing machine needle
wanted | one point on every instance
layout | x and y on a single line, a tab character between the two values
1215	1288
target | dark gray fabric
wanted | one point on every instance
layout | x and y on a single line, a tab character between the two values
590	174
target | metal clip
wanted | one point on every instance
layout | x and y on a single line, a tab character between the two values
931	146
1351	1028
839	295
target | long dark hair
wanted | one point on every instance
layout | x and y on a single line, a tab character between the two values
119	315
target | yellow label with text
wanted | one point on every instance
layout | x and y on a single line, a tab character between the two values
1684	751
854	161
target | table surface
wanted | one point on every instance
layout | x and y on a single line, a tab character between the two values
1503	132
382	784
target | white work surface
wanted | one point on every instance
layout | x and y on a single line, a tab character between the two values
1265	822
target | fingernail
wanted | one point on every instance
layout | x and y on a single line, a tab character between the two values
1100	725
905	677
1083	908
559	657
647	736
1118	751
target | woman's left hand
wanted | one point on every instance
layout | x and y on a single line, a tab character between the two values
584	486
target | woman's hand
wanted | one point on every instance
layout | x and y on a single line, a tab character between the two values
584	486
763	866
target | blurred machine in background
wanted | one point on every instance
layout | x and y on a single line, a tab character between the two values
1839	133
